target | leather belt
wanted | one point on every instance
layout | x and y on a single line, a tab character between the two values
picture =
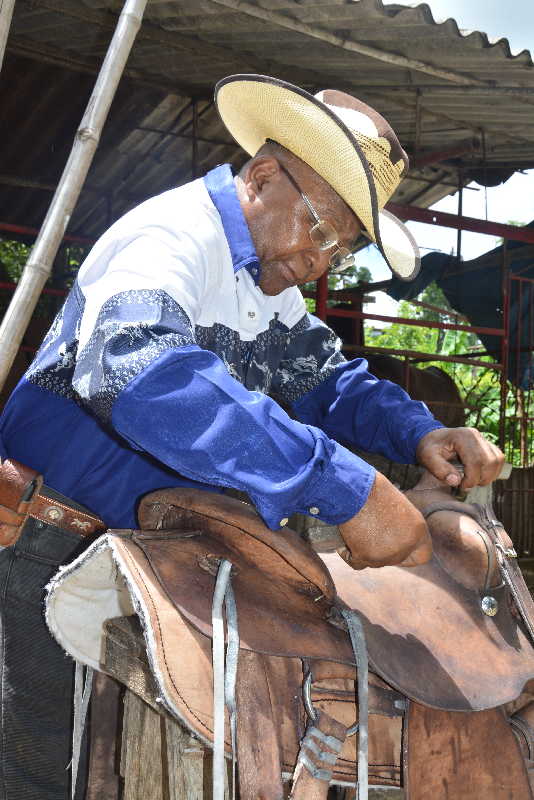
21	497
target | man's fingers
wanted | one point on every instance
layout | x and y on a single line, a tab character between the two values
482	461
493	465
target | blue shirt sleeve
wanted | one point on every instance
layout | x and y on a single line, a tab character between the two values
343	398
187	411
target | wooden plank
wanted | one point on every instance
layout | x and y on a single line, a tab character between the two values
142	765
160	760
187	763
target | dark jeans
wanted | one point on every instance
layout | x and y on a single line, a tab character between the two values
36	676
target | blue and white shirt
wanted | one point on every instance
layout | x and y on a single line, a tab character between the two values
157	370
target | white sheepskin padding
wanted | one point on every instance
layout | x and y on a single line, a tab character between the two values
81	597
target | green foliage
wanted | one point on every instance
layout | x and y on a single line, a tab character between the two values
13	258
479	387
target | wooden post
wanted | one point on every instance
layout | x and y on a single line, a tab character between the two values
39	265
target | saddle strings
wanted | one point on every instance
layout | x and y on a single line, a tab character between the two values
224	676
82	693
357	638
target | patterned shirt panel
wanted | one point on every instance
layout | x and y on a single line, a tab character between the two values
312	355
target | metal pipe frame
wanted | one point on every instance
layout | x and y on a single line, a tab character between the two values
415	356
420	323
472	224
26	231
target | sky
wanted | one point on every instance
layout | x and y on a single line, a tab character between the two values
513	200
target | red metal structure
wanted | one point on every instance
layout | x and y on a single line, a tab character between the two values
515	433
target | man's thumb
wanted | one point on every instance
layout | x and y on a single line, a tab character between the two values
443	470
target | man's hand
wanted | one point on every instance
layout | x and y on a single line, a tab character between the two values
387	530
482	460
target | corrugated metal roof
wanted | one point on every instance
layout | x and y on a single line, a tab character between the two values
56	46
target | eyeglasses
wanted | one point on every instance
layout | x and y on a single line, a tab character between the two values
323	234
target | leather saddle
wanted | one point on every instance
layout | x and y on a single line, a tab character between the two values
450	636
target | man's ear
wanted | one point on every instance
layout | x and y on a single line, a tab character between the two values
261	173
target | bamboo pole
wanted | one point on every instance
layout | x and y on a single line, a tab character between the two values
6	13
39	265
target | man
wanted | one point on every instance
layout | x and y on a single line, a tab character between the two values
185	315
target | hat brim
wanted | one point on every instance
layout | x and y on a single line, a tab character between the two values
255	108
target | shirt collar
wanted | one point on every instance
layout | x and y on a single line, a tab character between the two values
221	189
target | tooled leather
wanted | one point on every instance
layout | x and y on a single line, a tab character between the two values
14	481
53	512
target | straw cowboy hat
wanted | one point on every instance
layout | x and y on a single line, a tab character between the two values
344	140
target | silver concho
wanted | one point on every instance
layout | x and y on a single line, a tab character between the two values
54	513
489	605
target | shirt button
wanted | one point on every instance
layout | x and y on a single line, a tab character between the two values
254	271
314	510
283	522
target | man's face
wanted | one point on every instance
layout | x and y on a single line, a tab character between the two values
280	223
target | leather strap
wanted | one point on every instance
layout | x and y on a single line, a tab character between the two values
319	751
357	638
224	676
506	556
522	729
259	734
509	567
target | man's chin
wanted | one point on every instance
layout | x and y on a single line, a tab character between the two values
271	291
276	277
